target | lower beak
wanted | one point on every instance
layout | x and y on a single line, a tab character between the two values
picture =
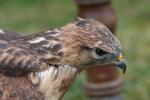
121	64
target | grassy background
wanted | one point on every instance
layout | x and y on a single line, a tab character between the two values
133	30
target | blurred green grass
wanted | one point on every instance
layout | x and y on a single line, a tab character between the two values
133	30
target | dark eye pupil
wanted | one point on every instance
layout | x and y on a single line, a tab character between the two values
100	52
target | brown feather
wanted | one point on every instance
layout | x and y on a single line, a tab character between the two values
18	88
50	60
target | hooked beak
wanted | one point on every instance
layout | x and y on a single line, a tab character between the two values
121	64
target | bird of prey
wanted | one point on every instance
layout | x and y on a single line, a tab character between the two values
42	66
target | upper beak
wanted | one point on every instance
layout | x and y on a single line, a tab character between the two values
122	63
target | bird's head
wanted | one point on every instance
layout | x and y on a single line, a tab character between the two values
88	42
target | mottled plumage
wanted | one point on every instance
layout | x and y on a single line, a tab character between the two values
43	65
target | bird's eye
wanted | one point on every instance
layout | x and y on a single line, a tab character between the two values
100	52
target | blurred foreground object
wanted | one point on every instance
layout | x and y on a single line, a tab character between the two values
42	66
102	82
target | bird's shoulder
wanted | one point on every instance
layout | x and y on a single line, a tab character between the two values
47	44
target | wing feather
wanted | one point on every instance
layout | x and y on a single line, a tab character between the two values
20	54
8	35
16	60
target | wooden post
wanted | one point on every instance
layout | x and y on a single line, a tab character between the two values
102	81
